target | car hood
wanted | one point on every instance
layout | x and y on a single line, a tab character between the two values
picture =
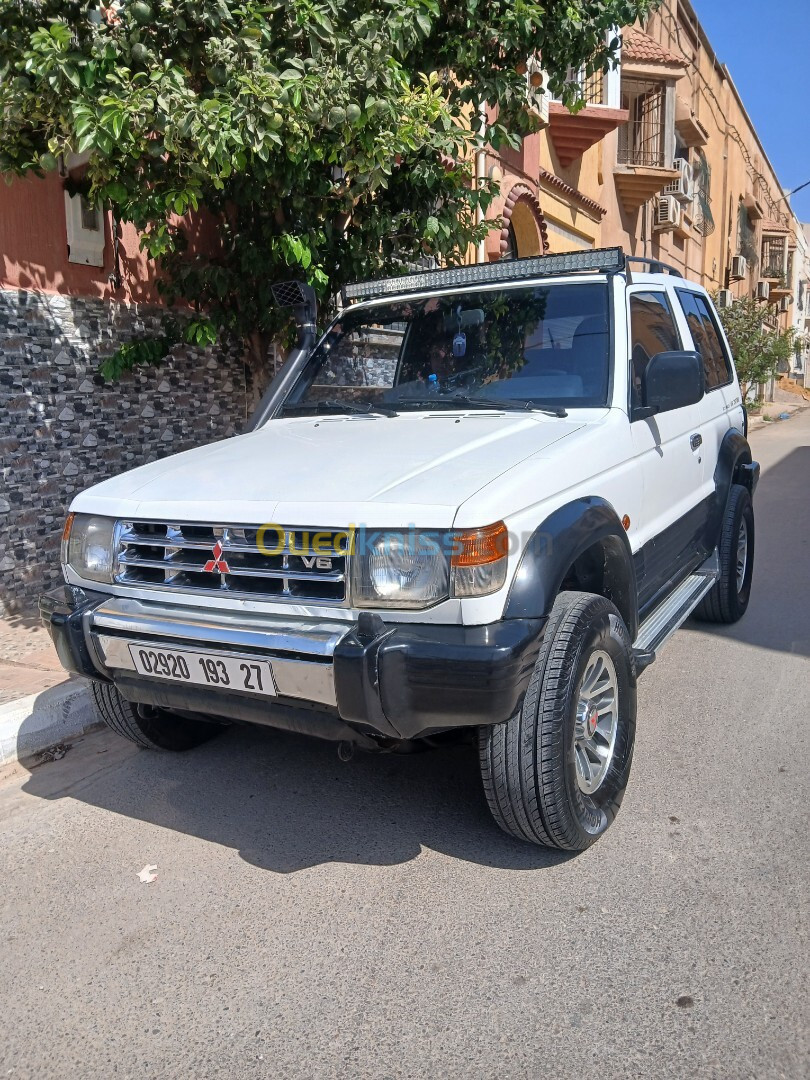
333	471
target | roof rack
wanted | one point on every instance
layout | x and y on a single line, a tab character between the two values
602	260
655	265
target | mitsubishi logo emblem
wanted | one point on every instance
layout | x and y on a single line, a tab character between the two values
217	565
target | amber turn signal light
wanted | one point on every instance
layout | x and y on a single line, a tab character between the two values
67	528
477	547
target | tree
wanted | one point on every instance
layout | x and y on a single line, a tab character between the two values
757	350
329	140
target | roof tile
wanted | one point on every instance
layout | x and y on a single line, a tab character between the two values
641	48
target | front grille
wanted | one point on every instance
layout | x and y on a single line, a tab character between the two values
283	564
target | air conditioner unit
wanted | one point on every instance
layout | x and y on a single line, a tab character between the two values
667	212
739	266
681	188
763	290
725	298
784	303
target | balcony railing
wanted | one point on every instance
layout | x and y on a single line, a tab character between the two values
639	147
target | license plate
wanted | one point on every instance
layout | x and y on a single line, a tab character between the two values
216	670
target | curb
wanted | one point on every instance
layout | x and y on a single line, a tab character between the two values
758	421
32	724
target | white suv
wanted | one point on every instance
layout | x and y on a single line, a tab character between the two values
480	503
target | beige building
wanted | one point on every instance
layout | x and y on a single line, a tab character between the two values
801	307
662	160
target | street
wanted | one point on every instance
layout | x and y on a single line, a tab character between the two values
312	918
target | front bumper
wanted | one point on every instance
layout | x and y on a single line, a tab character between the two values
372	678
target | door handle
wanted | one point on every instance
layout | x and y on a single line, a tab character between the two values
696	441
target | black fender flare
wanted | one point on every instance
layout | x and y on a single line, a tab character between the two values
557	543
734	466
734	452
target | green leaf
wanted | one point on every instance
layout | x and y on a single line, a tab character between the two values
86	142
84	123
104	142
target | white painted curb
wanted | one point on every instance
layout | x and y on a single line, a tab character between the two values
34	723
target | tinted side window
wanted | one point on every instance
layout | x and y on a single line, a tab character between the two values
706	338
652	330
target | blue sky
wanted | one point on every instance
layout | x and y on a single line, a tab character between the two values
766	47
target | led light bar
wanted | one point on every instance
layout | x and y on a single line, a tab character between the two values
604	260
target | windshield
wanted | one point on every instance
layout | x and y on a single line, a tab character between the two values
543	346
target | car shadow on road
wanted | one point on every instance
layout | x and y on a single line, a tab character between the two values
287	802
778	616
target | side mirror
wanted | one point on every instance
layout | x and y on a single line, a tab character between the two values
671	380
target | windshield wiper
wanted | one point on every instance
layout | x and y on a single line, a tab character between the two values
487	403
365	408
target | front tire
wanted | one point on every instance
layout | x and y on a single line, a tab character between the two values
153	729
727	601
555	774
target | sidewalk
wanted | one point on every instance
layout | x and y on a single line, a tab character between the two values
40	704
776	412
28	663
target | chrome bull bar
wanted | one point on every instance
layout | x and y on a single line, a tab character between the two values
300	650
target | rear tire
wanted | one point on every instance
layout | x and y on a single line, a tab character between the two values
579	714
728	599
153	729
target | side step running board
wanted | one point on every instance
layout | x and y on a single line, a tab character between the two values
672	612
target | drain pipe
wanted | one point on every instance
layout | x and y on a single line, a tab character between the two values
644	226
301	298
481	174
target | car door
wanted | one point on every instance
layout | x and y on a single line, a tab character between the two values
668	448
721	407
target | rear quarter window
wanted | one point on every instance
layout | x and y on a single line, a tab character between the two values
706	336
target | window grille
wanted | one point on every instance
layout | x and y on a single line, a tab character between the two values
703	220
641	139
746	236
593	88
773	257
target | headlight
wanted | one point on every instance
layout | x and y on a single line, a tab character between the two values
400	569
87	546
417	569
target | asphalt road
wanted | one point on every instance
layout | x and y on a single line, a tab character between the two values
318	919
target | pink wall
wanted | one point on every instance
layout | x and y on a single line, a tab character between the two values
34	254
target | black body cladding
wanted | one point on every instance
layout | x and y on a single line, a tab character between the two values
565	536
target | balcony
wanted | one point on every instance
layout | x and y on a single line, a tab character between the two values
776	266
643	160
779	290
575	132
